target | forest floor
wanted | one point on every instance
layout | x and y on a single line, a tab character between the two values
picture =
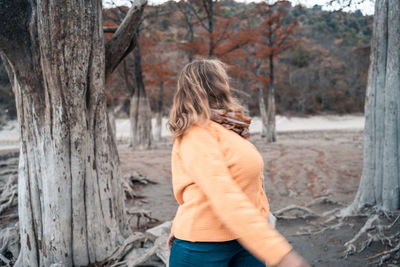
299	168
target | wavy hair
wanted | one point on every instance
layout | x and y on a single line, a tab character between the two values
202	85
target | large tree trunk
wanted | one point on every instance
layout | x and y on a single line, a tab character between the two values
141	135
380	180
70	198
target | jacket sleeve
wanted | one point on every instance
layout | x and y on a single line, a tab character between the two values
205	164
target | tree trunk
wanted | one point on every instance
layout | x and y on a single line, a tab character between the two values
113	124
270	125
380	178
271	133
209	6
263	113
70	204
246	93
158	130
140	113
261	105
190	31
111	117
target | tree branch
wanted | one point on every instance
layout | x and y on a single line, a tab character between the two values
124	39
110	29
200	20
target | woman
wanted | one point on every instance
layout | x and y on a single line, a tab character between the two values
222	219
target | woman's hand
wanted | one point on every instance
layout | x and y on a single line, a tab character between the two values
170	240
292	259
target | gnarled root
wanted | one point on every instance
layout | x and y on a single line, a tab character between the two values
139	213
9	243
350	245
129	181
307	213
375	230
386	255
139	248
132	241
9	193
9	234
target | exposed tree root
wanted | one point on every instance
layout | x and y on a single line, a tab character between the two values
8	204
9	243
132	241
375	231
139	213
142	248
5	260
375	227
158	249
322	200
129	181
350	245
386	255
9	234
8	193
307	213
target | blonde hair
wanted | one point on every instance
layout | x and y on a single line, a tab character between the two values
202	85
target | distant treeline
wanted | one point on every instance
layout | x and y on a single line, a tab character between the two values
326	71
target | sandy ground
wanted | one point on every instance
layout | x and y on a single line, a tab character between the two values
313	157
300	167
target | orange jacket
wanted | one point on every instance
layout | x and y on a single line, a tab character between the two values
217	181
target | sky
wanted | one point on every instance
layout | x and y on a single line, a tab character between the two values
366	6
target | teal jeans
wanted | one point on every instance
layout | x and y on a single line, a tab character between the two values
211	254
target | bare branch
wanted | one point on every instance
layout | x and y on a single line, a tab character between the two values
199	19
124	39
110	29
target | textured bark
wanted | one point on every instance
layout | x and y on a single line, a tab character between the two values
263	112
140	117
141	136
113	124
270	125
271	133
69	185
380	181
158	127
160	106
245	102
209	8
